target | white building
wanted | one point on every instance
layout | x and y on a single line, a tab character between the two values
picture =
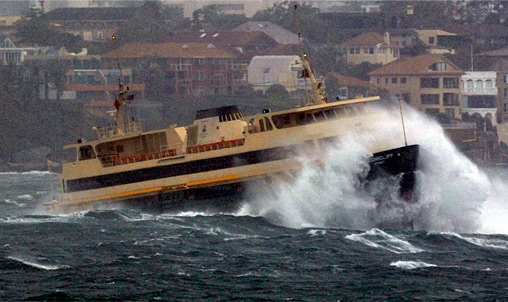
265	71
479	94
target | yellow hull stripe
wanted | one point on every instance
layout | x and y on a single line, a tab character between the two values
157	189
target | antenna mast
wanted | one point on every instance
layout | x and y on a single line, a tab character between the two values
317	95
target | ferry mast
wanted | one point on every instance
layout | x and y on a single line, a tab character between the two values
317	94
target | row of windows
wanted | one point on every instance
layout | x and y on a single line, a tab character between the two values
435	111
303	118
449	99
394	80
470	85
435	82
371	51
197	166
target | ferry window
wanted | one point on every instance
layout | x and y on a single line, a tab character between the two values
277	121
269	126
119	149
286	120
86	152
320	116
300	119
204	128
261	125
309	118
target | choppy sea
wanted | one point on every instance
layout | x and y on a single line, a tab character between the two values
317	239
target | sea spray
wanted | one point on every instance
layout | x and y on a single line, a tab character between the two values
450	188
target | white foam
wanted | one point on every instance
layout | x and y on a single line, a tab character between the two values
316	232
47	267
411	264
26	197
483	242
376	238
453	190
192	214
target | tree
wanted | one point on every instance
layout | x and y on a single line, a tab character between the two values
211	16
151	23
36	30
310	24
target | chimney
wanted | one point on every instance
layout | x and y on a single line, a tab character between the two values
386	38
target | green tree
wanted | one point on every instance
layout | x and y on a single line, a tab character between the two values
152	23
210	16
36	30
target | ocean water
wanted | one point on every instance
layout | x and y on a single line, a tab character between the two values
320	238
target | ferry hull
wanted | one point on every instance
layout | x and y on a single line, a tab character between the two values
226	196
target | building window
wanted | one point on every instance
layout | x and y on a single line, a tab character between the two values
450	99
478	85
198	76
197	61
506	92
371	51
351	51
407	97
505	107
429	83
431	40
219	77
439	66
394	80
468	86
365	50
432	111
488	84
451	82
429	99
357	51
450	112
377	80
386	80
403	80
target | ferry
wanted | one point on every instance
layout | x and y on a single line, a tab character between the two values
211	163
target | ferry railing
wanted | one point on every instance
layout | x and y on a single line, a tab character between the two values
132	127
115	160
216	146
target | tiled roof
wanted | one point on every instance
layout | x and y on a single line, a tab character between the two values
414	65
91	13
136	50
283	50
365	39
236	38
279	34
438	32
349	81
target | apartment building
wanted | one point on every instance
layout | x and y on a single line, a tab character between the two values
371	47
196	69
94	24
479	94
430	83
